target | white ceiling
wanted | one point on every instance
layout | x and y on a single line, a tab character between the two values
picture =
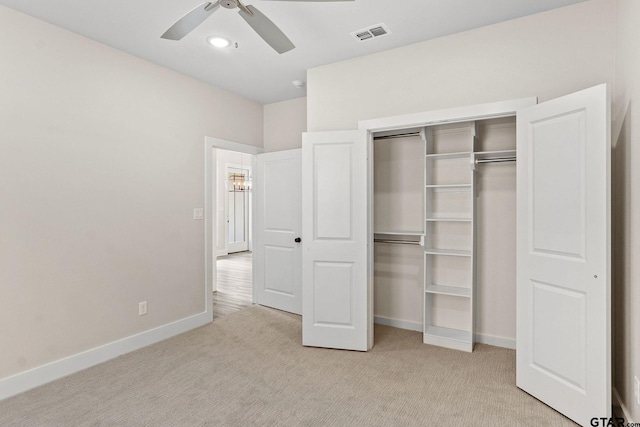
320	31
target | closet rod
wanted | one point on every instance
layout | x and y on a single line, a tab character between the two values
401	242
401	135
497	160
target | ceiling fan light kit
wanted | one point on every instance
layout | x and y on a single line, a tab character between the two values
262	25
219	42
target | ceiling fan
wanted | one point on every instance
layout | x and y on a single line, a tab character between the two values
262	25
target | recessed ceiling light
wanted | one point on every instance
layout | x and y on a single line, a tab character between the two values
218	41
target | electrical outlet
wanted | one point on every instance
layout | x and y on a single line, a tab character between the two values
636	389
142	308
198	213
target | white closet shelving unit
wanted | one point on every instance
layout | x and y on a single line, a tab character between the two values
450	262
449	258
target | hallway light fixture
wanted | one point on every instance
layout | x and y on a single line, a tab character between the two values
238	182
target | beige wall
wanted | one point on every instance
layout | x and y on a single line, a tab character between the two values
545	55
101	165
284	123
626	204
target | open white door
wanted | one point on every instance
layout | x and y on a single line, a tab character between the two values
277	261
336	307
563	290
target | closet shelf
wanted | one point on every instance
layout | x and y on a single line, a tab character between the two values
450	252
452	187
443	156
399	233
455	291
453	338
399	237
448	219
489	154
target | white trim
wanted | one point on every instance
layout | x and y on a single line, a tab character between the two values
496	341
27	380
232	146
429	118
451	115
398	323
417	326
210	198
617	401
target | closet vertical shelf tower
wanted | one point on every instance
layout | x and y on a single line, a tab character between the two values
449	258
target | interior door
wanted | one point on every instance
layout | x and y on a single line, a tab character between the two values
563	286
337	304
277	248
237	209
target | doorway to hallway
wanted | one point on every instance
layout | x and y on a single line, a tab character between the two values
234	286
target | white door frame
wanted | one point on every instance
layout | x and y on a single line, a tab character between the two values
430	118
452	115
210	203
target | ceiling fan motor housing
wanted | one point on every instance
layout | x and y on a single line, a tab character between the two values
229	4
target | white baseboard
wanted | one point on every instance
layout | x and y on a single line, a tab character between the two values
496	341
398	323
19	383
617	401
417	326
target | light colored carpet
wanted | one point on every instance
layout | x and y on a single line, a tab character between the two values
249	368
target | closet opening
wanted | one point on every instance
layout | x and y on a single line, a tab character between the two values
444	231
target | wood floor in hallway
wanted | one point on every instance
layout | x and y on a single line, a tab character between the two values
234	284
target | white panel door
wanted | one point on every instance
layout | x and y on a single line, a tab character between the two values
563	284
237	210
336	307
277	253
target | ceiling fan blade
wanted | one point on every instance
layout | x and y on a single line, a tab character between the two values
267	30
190	21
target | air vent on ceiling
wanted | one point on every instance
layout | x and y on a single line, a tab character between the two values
371	32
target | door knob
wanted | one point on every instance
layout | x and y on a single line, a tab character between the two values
298	240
